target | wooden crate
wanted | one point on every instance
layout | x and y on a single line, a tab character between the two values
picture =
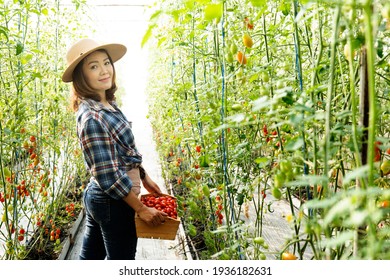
167	230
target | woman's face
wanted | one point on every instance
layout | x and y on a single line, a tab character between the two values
98	71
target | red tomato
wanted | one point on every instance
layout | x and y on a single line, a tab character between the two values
248	23
377	150
384	204
164	203
265	130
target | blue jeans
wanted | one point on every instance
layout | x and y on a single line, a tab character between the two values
109	230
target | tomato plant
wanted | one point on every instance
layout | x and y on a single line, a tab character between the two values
275	107
40	165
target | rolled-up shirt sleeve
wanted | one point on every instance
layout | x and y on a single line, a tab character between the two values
101	157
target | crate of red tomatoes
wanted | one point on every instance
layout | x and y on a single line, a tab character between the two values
168	229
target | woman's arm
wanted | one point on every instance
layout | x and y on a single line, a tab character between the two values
148	183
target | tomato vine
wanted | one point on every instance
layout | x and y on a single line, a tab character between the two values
277	111
41	165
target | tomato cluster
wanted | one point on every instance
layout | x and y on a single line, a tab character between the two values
218	213
165	204
69	208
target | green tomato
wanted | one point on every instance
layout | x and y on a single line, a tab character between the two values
265	77
206	191
259	240
192	230
385	167
4	217
229	58
237	107
277	193
286	166
279	180
233	49
6	172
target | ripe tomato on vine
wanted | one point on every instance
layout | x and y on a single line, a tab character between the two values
241	58
248	23
377	151
288	256
247	41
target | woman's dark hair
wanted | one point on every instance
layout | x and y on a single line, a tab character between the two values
82	90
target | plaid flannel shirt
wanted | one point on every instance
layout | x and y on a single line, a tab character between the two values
108	146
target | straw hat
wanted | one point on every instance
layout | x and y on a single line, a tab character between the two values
84	47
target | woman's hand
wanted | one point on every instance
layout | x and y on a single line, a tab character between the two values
150	185
151	216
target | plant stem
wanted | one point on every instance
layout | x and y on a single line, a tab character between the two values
314	98
352	81
369	36
328	115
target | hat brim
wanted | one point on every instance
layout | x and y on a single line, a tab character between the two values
115	51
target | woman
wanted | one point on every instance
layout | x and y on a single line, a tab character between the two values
110	154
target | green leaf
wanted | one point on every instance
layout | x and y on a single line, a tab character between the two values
45	11
26	58
285	7
339	240
321	204
357	173
37	75
357	218
155	15
204	161
308	180
161	41
19	48
148	34
258	3
261	103
240	198
262	161
294	144
288	99
340	209
4	31
254	77
213	11
237	118
189	4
